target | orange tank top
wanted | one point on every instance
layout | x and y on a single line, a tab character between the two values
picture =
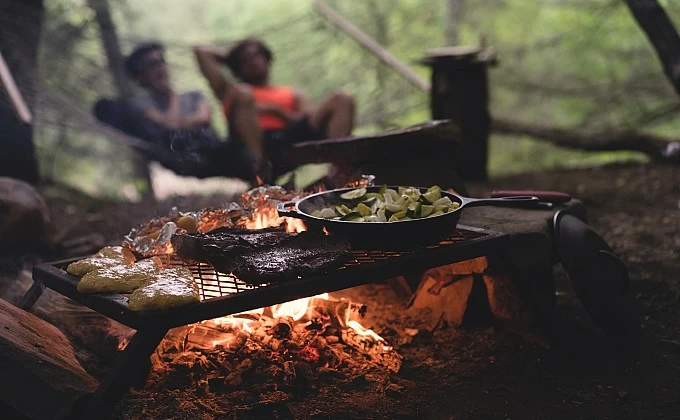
282	96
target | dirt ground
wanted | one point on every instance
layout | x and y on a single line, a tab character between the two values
573	372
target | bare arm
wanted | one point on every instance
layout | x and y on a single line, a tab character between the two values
200	118
208	58
170	118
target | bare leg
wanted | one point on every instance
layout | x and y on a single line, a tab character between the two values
243	119
335	116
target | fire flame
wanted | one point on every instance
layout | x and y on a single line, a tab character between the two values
168	249
295	309
265	215
269	217
299	311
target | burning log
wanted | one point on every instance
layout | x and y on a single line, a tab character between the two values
283	327
377	350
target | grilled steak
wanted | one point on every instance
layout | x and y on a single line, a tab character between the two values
264	256
196	246
300	255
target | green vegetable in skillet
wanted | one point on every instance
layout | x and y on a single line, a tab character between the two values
388	205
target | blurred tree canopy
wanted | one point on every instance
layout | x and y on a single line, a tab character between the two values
582	65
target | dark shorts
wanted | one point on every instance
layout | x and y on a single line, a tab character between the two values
297	132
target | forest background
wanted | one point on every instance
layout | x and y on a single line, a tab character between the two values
580	65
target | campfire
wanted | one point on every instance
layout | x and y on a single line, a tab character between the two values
282	347
241	341
286	345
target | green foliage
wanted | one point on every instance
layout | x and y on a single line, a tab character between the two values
583	65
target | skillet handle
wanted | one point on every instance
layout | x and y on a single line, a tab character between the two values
525	201
287	209
549	196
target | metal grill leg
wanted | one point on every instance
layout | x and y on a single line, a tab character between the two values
124	371
32	295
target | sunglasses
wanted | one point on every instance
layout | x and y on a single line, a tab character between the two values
154	63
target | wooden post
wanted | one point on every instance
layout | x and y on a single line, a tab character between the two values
460	92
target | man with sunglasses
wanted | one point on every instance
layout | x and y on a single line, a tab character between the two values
161	104
179	122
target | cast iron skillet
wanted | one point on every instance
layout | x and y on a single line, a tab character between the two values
389	235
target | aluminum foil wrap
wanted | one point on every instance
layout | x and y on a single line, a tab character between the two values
153	238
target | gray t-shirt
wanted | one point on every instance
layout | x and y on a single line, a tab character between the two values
188	102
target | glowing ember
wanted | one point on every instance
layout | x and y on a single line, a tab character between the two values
123	343
300	330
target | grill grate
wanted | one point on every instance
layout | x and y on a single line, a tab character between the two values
212	283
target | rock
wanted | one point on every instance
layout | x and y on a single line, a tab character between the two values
444	292
24	218
40	376
505	301
15	278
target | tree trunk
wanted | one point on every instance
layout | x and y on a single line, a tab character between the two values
654	21
20	26
379	17
111	47
115	59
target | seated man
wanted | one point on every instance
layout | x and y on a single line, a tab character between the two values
283	113
179	122
161	107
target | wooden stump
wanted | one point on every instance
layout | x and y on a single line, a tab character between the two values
39	374
462	293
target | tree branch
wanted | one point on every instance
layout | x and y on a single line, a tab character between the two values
648	144
654	21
